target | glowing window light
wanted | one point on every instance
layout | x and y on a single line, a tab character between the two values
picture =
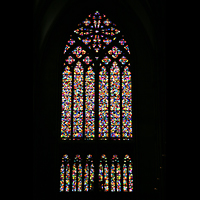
115	101
112	178
66	104
71	41
70	60
107	41
87	22
106	60
122	42
114	52
62	175
78	102
89	104
65	173
127	174
86	41
86	178
77	175
103	104
87	60
66	48
127	48
89	174
104	174
115	174
107	22
78	51
126	104
123	60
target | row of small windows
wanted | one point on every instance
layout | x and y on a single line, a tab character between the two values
116	178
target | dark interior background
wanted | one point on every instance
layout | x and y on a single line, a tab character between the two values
143	25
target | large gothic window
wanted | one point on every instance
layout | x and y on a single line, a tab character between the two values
96	104
97	46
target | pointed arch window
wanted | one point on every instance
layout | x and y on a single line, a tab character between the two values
103	174
96	105
97	47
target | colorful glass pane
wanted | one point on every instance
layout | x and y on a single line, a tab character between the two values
101	176
118	173
106	178
66	104
62	175
92	177
87	60
115	101
78	51
78	102
115	52
86	41
106	60
104	174
70	60
89	174
71	41
86	178
107	41
126	104
130	171
123	60
122	42
87	22
127	174
89	104
74	174
107	22
66	48
79	178
77	175
103	103
67	178
127	48
112	178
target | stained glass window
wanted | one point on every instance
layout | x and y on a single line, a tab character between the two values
103	104
126	104
90	104
65	174
89	174
103	174
115	172
115	101
66	104
77	175
127	174
97	33
96	47
78	102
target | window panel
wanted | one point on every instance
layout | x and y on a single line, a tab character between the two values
103	104
90	104
115	101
